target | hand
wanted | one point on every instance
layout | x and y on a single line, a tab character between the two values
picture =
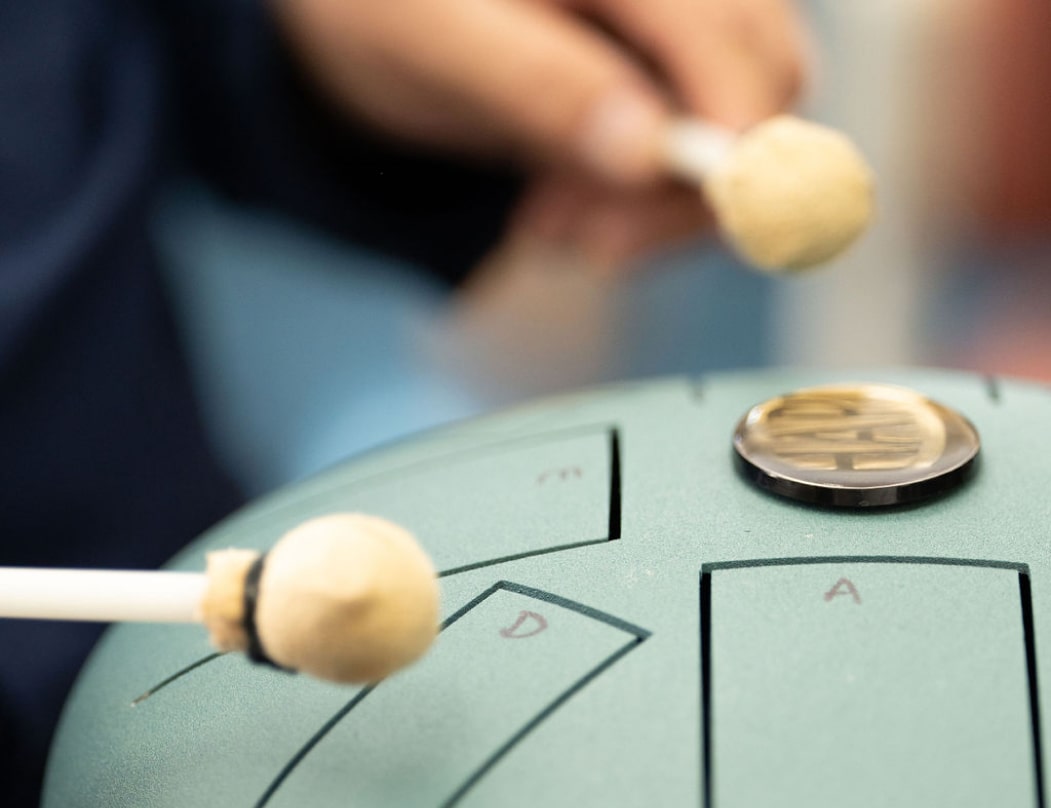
579	91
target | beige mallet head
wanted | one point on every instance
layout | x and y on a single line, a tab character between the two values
344	597
788	194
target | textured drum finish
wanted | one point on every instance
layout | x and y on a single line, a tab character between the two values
627	621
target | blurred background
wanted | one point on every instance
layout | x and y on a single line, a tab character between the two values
307	350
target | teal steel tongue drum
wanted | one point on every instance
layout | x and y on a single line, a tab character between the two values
752	589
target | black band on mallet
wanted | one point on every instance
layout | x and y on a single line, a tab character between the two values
254	649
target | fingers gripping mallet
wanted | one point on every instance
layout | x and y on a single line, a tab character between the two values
344	597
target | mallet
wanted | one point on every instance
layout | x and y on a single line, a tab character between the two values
788	194
345	597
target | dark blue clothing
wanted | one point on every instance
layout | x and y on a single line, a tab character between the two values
102	457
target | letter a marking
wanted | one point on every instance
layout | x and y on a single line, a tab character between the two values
844	586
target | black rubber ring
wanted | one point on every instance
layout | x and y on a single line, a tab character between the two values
254	651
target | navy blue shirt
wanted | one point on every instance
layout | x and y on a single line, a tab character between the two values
102	457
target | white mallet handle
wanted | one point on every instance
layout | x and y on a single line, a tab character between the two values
695	149
101	595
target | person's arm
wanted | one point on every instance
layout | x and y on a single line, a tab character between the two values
574	93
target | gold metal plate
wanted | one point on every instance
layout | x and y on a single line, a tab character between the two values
858	445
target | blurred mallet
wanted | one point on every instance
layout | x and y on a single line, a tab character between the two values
789	194
344	597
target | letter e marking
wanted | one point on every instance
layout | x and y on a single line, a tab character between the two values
561	474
